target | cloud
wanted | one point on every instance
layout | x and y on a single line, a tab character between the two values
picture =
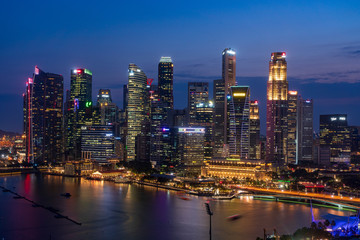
350	76
351	50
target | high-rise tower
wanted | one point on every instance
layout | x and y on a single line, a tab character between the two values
255	145
79	114
165	82
277	107
44	117
137	93
198	92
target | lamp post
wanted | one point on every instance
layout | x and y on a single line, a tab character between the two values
210	213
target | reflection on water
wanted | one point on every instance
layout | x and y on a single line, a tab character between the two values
120	211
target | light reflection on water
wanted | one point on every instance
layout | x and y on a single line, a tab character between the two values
120	211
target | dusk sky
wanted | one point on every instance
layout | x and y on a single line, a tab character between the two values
321	38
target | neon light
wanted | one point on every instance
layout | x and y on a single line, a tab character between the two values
88	104
30	81
87	71
165	129
192	130
37	70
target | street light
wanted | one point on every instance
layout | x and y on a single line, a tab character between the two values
210	213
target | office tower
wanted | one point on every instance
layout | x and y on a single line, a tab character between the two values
255	145
305	131
136	101
178	118
276	110
165	82
204	117
44	117
80	111
198	92
191	148
104	96
221	91
293	114
335	134
107	109
238	101
160	143
125	96
97	143
219	116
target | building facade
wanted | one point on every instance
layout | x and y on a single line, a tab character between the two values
255	145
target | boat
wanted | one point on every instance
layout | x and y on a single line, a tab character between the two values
120	179
66	194
223	197
234	217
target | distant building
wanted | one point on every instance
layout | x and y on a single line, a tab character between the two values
335	134
305	131
191	148
43	117
293	125
219	116
276	110
97	143
137	92
165	82
255	145
79	111
198	92
238	114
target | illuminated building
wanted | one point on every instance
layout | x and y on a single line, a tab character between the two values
198	92
80	110
292	141
108	109
335	133
44	117
276	110
255	145
230	168
204	114
165	82
191	148
305	131
219	97
137	92
238	101
221	90
97	143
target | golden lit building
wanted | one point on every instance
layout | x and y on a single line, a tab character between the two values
277	107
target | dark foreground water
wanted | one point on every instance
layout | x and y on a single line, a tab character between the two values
118	211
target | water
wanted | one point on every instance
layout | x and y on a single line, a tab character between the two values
119	211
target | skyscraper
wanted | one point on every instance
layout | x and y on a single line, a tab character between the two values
165	82
255	145
136	101
198	92
44	117
276	110
335	133
108	110
221	91
305	131
80	111
293	128
239	121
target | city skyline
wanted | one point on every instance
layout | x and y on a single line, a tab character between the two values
58	48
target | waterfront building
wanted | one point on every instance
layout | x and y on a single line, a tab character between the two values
80	110
336	135
231	168
276	110
238	116
97	143
305	131
191	148
255	145
198	92
43	111
293	127
137	92
165	82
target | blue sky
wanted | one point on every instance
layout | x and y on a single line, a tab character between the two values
321	38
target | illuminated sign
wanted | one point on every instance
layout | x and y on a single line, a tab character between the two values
87	71
165	129
333	119
108	134
293	92
342	118
256	102
308	101
230	52
36	70
239	94
149	81
228	97
191	130
76	104
105	95
284	55
88	104
30	81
